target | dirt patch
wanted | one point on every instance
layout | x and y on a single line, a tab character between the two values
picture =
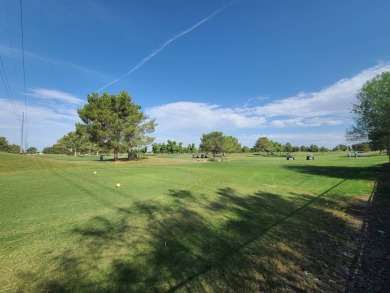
369	270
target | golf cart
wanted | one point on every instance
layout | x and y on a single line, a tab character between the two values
310	157
290	157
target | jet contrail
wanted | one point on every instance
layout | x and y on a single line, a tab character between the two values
164	45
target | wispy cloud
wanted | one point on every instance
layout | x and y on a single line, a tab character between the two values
57	95
165	44
52	114
17	53
44	124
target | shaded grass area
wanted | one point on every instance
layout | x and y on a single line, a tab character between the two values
256	242
370	267
343	172
263	226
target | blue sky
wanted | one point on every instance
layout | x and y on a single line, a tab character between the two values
287	70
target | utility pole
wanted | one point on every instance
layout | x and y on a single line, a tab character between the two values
21	136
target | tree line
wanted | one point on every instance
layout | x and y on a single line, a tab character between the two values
173	147
113	123
5	146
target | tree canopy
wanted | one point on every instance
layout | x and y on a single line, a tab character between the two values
231	145
215	142
372	112
115	122
263	144
212	142
9	148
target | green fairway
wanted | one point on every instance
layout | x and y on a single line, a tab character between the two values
176	223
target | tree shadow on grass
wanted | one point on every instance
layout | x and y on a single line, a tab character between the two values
370	267
343	172
225	242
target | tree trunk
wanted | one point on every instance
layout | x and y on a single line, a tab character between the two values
116	155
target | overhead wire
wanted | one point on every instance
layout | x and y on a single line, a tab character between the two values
3	71
11	43
7	87
24	70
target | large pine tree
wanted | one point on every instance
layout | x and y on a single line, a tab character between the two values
114	122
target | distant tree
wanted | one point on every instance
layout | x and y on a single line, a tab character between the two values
288	147
9	148
156	148
32	150
13	148
47	150
3	144
313	148
303	148
277	147
72	142
212	142
163	148
323	149
172	147
340	147
263	144
245	149
295	148
231	145
180	148
362	147
115	122
372	112
57	149
191	148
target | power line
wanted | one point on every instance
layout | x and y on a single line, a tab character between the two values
24	68
11	42
8	89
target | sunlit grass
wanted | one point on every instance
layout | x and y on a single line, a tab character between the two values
249	223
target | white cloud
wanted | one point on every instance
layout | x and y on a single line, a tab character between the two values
188	115
47	94
335	99
307	118
44	124
309	122
327	108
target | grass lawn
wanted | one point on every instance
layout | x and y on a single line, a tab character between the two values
178	224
